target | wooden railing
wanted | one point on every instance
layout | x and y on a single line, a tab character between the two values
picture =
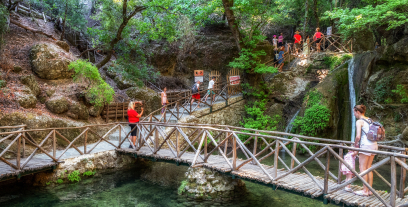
180	138
183	105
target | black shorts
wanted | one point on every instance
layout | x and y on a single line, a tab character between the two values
134	132
280	44
318	40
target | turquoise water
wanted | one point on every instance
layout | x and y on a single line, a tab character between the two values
127	188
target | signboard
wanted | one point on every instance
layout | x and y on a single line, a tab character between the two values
329	31
198	72
199	78
234	80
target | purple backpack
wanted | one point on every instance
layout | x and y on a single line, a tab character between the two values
376	131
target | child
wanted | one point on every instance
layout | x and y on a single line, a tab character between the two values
350	158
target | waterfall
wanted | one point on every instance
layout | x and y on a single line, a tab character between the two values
290	124
352	91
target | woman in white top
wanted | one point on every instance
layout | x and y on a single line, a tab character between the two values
361	141
164	100
210	90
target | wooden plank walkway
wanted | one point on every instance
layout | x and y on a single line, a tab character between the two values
36	164
297	182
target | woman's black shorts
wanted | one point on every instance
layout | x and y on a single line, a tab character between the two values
280	44
134	132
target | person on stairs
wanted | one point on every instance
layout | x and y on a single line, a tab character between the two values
318	37
196	94
280	40
281	58
298	41
275	42
211	89
133	117
365	159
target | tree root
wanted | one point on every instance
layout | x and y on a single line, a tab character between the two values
34	31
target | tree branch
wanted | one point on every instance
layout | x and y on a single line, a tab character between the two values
34	31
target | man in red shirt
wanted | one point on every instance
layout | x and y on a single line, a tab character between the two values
298	40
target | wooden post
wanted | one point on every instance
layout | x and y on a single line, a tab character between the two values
18	153
339	176
403	176
205	147
107	113
211	108
234	153
393	192
116	112
54	144
86	138
276	160
23	140
292	162
120	136
156	140
326	177
178	112
123	112
255	146
226	143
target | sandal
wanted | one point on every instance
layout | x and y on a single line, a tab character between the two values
360	193
348	189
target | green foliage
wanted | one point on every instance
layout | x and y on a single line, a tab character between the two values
316	118
334	61
256	119
4	15
3	83
182	187
382	90
390	13
89	173
48	183
74	176
98	90
249	58
135	69
262	92
60	181
401	90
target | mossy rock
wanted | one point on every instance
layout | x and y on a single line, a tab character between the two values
25	98
31	82
50	92
57	105
17	69
151	98
123	83
78	111
64	45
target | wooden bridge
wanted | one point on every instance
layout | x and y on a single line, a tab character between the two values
217	147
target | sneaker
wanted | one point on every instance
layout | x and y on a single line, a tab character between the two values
130	146
348	189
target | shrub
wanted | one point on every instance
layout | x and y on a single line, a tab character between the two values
334	61
89	173
182	187
382	89
402	92
98	90
74	176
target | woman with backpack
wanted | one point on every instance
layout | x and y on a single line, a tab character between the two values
365	159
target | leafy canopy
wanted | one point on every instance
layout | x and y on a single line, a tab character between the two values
389	13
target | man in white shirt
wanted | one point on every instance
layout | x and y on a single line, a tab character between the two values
210	90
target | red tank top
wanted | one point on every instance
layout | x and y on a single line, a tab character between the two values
318	35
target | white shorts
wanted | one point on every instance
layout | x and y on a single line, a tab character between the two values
369	147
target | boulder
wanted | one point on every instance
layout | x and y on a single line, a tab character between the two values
51	62
57	105
405	134
123	82
31	82
151	98
78	111
95	111
63	45
111	73
50	92
25	98
397	51
363	41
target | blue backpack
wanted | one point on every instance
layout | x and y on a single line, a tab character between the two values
194	89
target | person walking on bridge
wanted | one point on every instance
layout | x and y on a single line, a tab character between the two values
281	58
196	95
133	117
361	141
318	37
211	89
164	100
298	40
280	40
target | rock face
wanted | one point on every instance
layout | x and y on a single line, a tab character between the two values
63	45
78	111
405	134
29	80
25	98
123	83
95	111
57	105
50	62
151	98
205	184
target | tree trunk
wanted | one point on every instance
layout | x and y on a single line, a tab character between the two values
233	24
315	12
31	29
63	23
119	33
306	9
